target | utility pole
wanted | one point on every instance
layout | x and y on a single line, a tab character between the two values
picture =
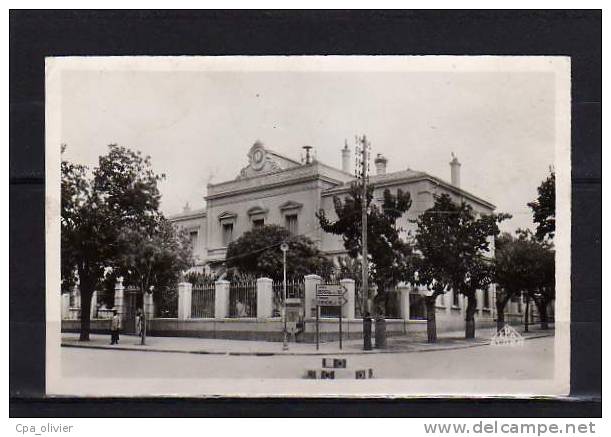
365	263
362	148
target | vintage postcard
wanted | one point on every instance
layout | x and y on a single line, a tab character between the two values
296	226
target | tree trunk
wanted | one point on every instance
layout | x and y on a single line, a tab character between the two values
86	287
431	323
470	316
527	314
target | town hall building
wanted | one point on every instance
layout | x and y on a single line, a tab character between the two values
275	189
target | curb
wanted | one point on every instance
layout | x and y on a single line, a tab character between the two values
280	353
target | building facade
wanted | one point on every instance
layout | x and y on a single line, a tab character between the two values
275	189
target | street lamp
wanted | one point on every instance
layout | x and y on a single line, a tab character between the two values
284	248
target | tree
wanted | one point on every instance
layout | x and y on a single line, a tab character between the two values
257	252
388	253
453	246
86	237
517	261
153	257
545	292
122	193
541	285
544	208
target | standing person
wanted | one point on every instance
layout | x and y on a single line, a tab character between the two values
139	323
115	326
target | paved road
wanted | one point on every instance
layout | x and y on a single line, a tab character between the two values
534	360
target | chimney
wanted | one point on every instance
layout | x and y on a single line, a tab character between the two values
308	159
380	163
455	169
346	157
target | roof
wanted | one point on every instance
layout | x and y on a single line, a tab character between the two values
411	176
194	213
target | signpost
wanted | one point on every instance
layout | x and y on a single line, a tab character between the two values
329	296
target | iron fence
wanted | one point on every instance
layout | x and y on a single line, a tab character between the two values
167	303
243	299
202	300
295	289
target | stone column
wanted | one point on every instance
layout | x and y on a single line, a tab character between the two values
184	300
348	307
310	282
404	291
119	298
221	299
94	303
65	306
149	308
265	298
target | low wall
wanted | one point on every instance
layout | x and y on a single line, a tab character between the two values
272	329
98	326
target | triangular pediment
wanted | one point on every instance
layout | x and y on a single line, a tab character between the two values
227	215
262	160
290	205
255	210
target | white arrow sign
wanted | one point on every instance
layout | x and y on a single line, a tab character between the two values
331	301
330	290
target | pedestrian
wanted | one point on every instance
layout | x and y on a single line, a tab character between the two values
139	323
115	326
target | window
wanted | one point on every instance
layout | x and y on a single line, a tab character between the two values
455	298
486	299
417	307
193	239
227	233
258	223
291	223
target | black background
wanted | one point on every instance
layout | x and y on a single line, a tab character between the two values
36	34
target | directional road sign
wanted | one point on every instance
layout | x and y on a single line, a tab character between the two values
330	290
331	301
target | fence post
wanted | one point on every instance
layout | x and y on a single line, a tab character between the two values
403	290
221	299
119	290
149	309
76	292
310	282
94	303
348	307
265	298
184	300
65	306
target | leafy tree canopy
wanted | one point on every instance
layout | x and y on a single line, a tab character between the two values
121	194
257	252
454	247
153	257
388	253
544	208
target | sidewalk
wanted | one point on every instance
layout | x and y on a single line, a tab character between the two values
402	344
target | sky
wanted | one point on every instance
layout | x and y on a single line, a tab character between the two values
197	126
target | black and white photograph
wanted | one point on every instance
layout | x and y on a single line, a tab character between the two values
296	226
